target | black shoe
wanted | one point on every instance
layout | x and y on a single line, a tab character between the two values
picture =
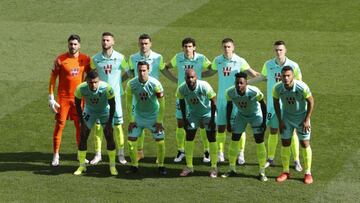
162	170
132	169
229	174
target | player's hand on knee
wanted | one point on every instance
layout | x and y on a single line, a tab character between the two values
306	126
158	127
132	125
53	104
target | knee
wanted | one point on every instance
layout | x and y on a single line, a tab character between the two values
286	142
273	130
211	137
235	137
221	128
60	123
259	138
305	143
132	139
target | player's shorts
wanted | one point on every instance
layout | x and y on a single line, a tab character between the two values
149	123
295	122
272	120
240	123
197	121
221	112
67	110
178	113
91	118
118	116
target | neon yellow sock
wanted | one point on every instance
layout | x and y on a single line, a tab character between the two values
180	138
221	138
213	153
82	157
307	154
140	141
295	147
233	152
189	153
98	135
119	136
261	154
204	139
133	153
111	154
242	142
272	143
285	158
160	152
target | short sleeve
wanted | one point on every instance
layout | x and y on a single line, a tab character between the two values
161	63
264	70
214	65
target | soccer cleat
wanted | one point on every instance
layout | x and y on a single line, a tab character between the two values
230	173
298	166
113	171
80	170
132	170
262	177
206	158
213	173
308	179
282	177
269	162
241	158
179	157
121	157
140	154
162	170
96	159
55	162
221	157
186	172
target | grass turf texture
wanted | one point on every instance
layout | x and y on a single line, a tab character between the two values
321	37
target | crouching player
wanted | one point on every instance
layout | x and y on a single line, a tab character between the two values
201	101
98	96
249	101
149	109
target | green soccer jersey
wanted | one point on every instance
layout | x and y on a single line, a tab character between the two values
248	104
181	63
198	100
95	101
227	68
154	59
145	95
294	100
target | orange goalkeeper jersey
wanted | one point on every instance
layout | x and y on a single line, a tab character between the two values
71	73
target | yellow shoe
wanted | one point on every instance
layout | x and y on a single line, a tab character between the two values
113	171
80	170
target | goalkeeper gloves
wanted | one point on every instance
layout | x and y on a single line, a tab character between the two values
53	104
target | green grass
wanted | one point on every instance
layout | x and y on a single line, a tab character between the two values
322	36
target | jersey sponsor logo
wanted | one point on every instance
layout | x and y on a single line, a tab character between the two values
74	71
226	71
277	77
188	67
194	101
143	96
290	100
242	104
94	100
107	69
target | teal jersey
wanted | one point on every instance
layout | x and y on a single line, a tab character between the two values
145	96
248	104
293	101
272	72
181	63
227	68
110	69
95	101
198	101
155	61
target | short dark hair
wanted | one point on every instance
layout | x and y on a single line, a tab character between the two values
145	36
142	63
241	75
279	42
107	34
188	40
74	37
226	40
286	68
92	75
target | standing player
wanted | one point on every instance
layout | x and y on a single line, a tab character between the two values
271	73
149	113
200	99
70	68
156	64
98	95
227	65
188	59
294	113
251	109
110	64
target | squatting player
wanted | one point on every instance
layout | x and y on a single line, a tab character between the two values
110	64
70	68
98	96
188	59
271	72
251	107
200	99
294	113
149	113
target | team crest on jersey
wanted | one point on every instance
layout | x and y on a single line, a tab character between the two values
290	100
143	96
194	101
107	69
188	67
75	71
242	104
277	77
227	71
94	100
